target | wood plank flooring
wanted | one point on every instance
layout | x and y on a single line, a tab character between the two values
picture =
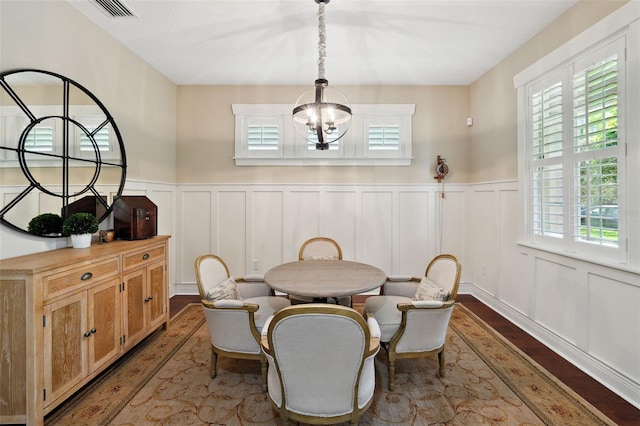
616	408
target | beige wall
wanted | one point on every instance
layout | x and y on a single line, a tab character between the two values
206	135
493	137
53	36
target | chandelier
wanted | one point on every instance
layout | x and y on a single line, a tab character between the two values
322	114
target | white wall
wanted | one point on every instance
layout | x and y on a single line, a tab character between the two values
256	227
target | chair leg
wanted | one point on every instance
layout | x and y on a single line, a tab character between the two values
441	362
263	371
214	360
392	374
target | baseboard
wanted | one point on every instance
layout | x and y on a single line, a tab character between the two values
621	385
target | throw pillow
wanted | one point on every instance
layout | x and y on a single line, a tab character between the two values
226	290
428	290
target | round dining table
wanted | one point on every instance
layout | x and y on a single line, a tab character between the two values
322	279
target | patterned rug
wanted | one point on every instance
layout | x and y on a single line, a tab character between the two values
165	381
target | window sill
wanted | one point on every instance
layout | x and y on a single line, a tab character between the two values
625	267
405	161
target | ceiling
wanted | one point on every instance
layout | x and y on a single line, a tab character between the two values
392	42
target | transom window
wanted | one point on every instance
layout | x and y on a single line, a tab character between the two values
378	135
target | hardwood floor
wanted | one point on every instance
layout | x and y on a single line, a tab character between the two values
599	396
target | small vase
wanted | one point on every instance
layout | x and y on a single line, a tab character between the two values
81	240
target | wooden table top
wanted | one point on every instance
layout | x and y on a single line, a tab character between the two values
324	278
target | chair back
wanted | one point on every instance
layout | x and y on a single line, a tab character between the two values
320	248
210	270
445	270
319	350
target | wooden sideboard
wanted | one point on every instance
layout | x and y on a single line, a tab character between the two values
67	314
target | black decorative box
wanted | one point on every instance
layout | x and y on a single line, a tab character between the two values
134	217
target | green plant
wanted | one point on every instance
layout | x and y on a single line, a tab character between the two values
45	224
80	223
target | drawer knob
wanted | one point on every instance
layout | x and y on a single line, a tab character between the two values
87	334
86	276
146	256
93	331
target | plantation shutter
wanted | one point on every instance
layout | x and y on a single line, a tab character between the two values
546	120
595	151
384	137
263	137
40	139
101	137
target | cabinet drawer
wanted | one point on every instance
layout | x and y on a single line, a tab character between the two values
143	257
69	280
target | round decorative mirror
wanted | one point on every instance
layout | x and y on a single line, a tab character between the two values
60	150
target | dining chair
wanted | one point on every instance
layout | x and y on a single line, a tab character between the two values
413	313
321	363
236	310
320	248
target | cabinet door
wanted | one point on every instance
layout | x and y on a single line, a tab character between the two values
104	323
156	298
135	322
65	349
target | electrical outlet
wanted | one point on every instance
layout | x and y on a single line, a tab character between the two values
255	264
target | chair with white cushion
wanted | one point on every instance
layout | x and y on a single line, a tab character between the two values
413	313
236	311
320	248
321	363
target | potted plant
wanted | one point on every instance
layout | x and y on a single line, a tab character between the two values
80	226
46	224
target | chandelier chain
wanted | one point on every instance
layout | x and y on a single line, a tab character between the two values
322	42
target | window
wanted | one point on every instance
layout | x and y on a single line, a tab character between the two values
44	143
378	135
575	154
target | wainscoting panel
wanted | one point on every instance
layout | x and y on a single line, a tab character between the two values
612	303
449	233
267	229
514	284
485	237
377	229
555	284
413	230
255	227
196	229
338	220
231	228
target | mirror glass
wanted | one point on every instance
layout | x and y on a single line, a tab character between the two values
60	150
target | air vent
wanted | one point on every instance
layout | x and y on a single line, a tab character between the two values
114	8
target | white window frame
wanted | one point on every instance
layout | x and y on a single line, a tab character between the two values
351	150
623	26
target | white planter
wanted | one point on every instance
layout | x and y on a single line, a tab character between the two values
81	240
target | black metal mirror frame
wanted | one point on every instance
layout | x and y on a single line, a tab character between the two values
22	151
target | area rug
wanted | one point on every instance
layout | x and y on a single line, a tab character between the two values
488	381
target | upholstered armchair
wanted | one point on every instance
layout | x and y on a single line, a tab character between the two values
413	314
236	311
321	363
319	248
